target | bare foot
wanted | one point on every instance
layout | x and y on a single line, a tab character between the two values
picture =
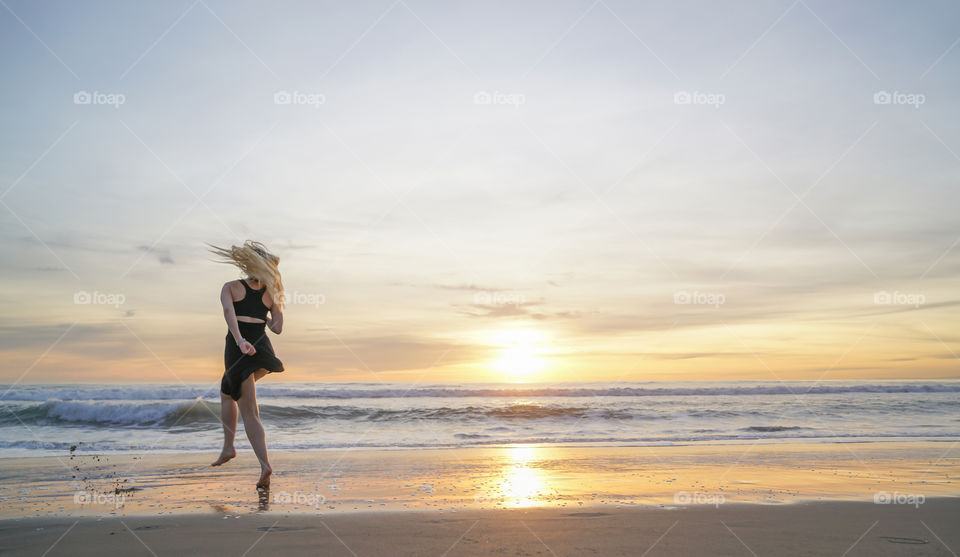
264	481
224	456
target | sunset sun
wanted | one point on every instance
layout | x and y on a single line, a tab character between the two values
520	357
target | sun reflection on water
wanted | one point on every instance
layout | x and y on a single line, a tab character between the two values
523	485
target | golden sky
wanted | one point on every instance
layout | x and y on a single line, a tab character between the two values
585	193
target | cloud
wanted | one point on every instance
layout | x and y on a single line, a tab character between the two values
513	310
332	351
465	287
162	254
887	309
106	341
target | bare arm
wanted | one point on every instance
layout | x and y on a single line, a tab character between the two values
275	320
230	316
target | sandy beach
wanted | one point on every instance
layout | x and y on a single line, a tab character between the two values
825	528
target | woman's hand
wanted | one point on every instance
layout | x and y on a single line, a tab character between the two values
247	348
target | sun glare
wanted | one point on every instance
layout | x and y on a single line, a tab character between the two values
520	355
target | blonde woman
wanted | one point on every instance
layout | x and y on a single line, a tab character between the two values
248	355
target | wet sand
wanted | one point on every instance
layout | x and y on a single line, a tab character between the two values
327	482
799	499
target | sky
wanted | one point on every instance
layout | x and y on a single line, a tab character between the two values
592	190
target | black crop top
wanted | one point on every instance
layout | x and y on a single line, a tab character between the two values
252	303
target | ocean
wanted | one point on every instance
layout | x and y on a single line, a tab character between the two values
43	420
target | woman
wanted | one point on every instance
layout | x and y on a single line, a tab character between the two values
248	355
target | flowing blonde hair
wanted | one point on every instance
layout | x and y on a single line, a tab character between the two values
257	262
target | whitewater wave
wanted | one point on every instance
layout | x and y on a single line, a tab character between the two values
198	412
54	412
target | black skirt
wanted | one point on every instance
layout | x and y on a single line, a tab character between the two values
238	366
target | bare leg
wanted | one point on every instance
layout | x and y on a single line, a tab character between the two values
254	429
228	416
